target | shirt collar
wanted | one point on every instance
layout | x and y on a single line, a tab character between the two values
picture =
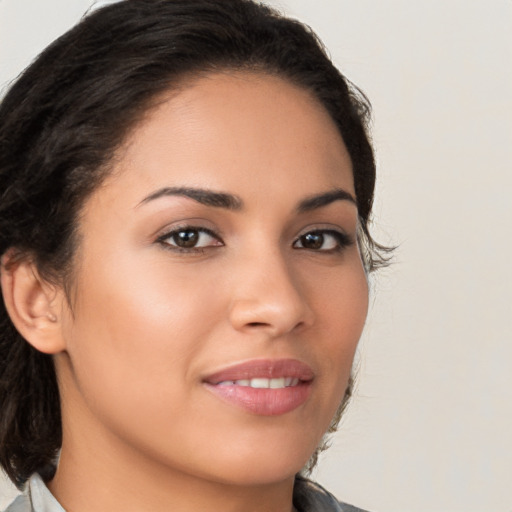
41	497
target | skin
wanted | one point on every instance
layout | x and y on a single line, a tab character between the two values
148	322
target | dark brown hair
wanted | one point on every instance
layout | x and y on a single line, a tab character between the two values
64	118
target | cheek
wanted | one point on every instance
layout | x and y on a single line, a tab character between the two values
138	327
341	306
340	301
133	299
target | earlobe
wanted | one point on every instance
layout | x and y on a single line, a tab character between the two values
32	304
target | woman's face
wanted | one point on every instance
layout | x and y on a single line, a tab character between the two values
219	291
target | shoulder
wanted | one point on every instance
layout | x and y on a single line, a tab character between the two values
309	496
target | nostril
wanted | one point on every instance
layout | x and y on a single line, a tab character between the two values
259	325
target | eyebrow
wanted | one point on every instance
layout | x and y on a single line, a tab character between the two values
203	196
233	202
324	199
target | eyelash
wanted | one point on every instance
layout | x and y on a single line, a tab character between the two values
341	240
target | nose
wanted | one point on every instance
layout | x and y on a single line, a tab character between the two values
268	297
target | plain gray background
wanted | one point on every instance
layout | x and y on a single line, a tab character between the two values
430	426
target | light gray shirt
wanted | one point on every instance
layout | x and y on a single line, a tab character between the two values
35	498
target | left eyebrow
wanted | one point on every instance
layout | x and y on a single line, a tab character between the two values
203	196
324	199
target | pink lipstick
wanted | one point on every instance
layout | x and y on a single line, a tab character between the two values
264	387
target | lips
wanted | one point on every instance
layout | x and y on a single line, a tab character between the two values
263	387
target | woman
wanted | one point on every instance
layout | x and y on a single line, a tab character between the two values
186	192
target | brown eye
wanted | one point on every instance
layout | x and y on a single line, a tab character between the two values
312	241
323	240
190	238
186	238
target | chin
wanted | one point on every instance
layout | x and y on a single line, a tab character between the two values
259	475
264	463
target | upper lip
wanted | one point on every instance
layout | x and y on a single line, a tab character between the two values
262	368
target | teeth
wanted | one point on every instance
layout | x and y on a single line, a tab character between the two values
261	383
276	383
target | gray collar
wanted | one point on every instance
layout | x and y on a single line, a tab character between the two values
36	497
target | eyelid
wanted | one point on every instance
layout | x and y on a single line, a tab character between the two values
324	227
199	223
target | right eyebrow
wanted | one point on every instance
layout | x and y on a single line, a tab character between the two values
324	199
201	195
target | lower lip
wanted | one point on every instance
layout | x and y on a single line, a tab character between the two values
263	401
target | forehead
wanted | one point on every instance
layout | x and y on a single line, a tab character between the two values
237	130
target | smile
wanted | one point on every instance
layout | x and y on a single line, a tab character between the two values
263	387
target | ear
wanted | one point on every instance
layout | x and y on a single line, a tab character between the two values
33	305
